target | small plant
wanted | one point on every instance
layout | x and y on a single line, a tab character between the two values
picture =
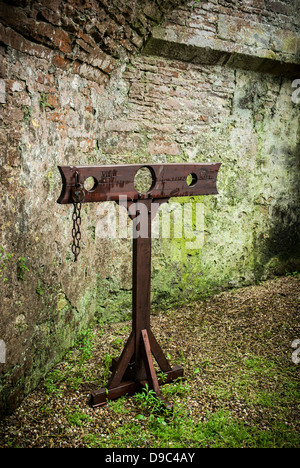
118	406
44	102
22	268
162	377
52	384
149	402
87	346
117	343
39	289
77	418
27	113
85	351
4	260
107	366
178	387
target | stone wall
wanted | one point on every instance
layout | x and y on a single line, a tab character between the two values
60	65
180	112
256	35
76	88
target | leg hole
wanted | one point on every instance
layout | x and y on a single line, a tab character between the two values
191	180
144	180
90	184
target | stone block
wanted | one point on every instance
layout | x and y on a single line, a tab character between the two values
2	92
121	126
156	147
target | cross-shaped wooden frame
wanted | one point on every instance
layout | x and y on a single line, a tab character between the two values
135	366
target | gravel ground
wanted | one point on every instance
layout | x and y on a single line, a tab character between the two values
234	347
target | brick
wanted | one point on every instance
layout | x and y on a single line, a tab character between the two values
137	40
3	138
52	100
90	73
172	103
87	145
56	117
203	118
61	62
164	147
84	45
96	57
16	41
12	16
152	12
52	14
279	7
86	38
13	156
121	126
3	64
56	35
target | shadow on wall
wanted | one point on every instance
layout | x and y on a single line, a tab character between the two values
278	249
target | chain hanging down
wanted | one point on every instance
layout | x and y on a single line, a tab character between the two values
76	234
78	197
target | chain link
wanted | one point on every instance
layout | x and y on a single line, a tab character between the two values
76	233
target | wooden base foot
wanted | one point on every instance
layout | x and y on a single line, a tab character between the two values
118	387
100	397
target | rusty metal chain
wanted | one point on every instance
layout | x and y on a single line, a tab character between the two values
76	233
78	197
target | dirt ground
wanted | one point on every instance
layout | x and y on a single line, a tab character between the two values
236	350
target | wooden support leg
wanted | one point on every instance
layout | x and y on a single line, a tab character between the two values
122	363
151	374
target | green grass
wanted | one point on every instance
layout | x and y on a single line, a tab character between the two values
241	387
220	430
155	426
254	385
77	418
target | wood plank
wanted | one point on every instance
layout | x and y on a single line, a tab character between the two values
100	397
170	180
123	362
151	374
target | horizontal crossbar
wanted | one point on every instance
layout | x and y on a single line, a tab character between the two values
113	182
